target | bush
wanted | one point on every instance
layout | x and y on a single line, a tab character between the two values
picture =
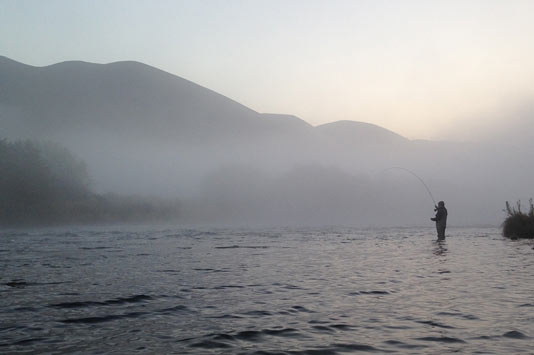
517	223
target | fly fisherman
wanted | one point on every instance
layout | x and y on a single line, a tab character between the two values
440	219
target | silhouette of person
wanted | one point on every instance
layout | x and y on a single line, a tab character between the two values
440	219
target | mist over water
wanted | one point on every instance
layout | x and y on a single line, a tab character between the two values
124	142
270	291
143	132
141	212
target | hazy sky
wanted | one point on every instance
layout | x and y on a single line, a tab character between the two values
424	69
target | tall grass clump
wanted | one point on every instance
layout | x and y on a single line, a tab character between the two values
518	224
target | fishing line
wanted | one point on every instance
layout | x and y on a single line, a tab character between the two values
418	177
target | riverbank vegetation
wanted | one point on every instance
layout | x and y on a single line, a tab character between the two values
42	183
518	224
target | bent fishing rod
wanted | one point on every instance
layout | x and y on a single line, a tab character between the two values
418	177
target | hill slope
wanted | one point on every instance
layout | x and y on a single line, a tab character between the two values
125	115
142	130
124	99
130	99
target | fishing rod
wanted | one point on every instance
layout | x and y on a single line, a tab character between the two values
418	177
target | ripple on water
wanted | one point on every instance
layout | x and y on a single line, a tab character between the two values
323	329
178	308
169	271
20	283
229	340
338	348
356	347
226	316
376	292
342	326
442	339
25	342
102	319
458	314
301	309
243	247
115	301
113	317
434	324
257	313
514	334
95	248
400	344
209	270
228	286
210	344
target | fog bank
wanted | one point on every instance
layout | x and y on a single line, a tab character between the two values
144	132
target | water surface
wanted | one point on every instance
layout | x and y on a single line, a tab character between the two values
272	291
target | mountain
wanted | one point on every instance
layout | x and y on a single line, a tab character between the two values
123	115
145	131
360	133
125	99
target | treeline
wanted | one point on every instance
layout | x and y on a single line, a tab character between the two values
44	183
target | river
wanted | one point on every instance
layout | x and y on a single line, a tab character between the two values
161	289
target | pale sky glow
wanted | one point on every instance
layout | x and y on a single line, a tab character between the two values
419	68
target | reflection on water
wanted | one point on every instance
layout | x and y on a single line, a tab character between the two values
440	247
283	291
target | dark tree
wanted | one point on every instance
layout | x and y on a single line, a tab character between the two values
37	180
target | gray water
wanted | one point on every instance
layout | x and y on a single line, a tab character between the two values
276	291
